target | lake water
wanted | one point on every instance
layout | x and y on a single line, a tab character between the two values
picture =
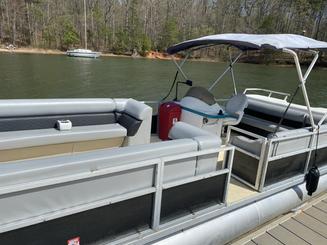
56	76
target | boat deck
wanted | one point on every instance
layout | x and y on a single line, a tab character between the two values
306	226
238	191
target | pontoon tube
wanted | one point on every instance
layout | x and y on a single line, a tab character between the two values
231	225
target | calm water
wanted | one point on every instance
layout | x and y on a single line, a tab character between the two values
55	76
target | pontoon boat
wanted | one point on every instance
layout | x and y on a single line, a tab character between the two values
84	53
93	171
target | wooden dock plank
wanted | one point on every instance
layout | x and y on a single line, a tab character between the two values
322	206
317	214
304	232
285	236
312	223
266	239
305	227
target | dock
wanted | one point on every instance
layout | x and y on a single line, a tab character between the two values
307	225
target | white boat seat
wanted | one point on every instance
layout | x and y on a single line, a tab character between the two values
235	109
43	114
38	137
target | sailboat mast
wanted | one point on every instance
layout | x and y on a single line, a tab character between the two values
85	34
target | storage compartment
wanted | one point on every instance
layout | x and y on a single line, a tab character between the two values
285	168
188	198
108	222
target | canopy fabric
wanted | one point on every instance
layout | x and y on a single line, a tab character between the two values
252	42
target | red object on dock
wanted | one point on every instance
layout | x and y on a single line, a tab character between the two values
169	113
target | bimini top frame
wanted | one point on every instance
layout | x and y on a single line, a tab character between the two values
286	43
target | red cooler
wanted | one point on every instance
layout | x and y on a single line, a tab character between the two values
169	113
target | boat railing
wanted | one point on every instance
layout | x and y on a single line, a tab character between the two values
276	151
270	92
159	186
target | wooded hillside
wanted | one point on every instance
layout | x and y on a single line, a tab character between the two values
121	26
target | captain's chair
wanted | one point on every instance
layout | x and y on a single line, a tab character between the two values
235	109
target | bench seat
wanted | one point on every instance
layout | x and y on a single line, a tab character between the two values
28	127
15	145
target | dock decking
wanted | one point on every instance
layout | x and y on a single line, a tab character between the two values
307	226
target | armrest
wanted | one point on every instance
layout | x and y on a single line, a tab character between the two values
205	139
137	109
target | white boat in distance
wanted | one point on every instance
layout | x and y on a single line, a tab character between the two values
85	53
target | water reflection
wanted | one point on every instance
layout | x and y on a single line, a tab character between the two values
56	76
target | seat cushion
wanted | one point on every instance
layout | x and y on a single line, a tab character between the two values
28	138
181	130
130	123
236	105
137	109
250	145
47	122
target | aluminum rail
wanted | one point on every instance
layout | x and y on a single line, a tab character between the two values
271	92
157	162
179	66
244	219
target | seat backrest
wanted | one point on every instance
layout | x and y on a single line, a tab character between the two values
49	107
236	104
202	94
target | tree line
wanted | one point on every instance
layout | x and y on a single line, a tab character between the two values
121	26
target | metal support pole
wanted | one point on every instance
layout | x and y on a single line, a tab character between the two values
179	66
322	119
230	160
232	71
157	196
85	31
302	81
224	73
313	62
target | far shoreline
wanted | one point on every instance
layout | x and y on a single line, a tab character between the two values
152	55
149	55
